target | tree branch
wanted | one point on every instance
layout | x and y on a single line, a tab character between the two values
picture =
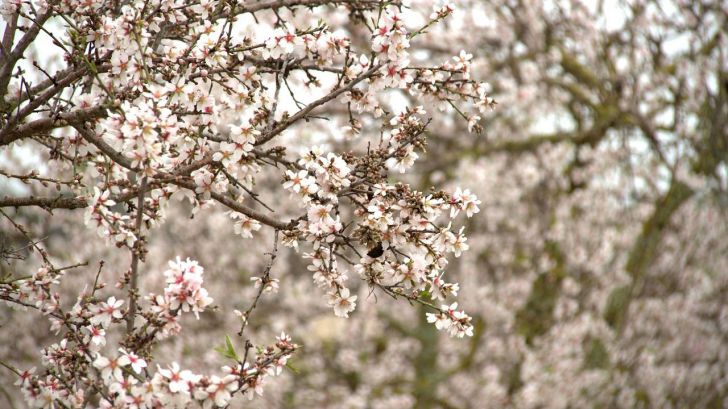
91	137
47	124
6	69
315	104
238	207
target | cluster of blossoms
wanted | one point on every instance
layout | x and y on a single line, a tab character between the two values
34	291
107	222
405	243
321	177
122	378
457	323
103	214
183	293
391	42
174	387
142	132
269	285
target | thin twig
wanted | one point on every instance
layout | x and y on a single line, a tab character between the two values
264	282
136	252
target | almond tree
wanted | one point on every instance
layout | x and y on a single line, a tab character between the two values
131	104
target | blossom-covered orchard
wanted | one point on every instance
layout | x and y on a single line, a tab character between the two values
596	271
134	104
